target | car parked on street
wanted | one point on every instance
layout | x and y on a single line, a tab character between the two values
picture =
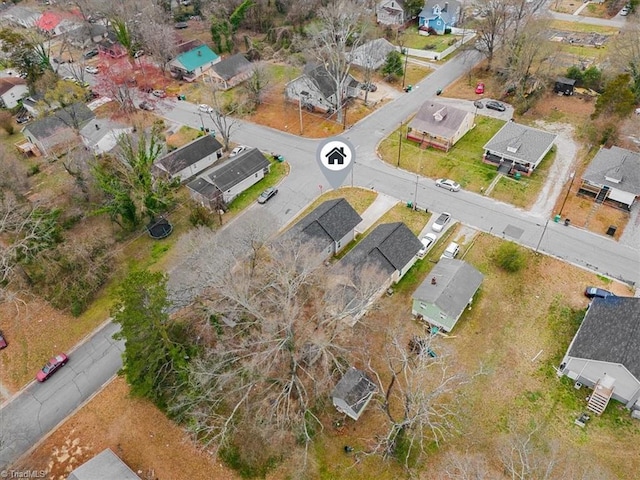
448	184
595	292
427	242
493	105
159	93
441	221
3	341
203	107
91	53
91	69
267	194
52	366
478	104
146	106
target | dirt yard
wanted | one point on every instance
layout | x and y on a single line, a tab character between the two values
135	430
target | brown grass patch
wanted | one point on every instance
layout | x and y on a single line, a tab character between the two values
414	219
182	137
135	430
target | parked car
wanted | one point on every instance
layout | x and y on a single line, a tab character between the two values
478	104
451	251
441	221
159	93
480	88
625	10
237	150
146	106
181	25
23	118
427	242
448	184
91	69
138	54
51	367
69	78
203	107
267	194
493	105
3	341
91	53
595	292
371	87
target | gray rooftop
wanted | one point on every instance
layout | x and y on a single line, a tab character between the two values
448	9
355	388
104	127
372	54
617	168
104	466
322	79
204	188
456	283
328	222
390	246
519	142
438	119
189	154
68	117
232	66
237	169
610	332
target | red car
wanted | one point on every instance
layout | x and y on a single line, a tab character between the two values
51	367
480	88
3	341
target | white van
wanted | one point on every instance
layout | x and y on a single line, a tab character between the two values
452	251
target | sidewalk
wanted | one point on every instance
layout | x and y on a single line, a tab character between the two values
381	205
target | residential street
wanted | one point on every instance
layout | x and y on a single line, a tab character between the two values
40	407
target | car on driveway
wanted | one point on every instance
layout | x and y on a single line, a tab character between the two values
3	341
441	221
203	107
159	93
427	242
237	150
146	106
91	69
493	105
267	194
595	292
448	184
480	88
181	25
370	87
91	53
625	10
51	367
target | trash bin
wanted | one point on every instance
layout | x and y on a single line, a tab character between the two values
517	176
182	97
567	222
611	231
556	218
410	204
408	88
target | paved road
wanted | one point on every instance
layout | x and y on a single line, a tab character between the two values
616	22
37	410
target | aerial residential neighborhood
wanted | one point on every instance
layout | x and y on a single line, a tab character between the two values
347	239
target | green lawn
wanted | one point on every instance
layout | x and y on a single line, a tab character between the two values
463	163
436	43
250	195
414	219
581	27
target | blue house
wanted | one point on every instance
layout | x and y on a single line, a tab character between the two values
193	63
439	15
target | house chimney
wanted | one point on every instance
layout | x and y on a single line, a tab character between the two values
446	7
199	53
97	127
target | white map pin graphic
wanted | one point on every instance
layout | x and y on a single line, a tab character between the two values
336	157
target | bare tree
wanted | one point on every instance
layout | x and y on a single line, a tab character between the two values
159	41
416	399
627	56
257	84
466	466
222	119
491	28
339	28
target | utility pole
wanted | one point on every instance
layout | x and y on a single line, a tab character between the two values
399	145
573	176
543	232
406	58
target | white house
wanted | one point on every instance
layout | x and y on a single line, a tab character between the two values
12	90
190	159
605	352
101	135
391	12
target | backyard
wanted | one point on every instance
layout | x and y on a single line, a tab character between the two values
435	43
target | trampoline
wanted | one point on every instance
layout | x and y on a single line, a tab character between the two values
160	228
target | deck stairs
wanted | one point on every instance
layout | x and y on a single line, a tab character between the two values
602	391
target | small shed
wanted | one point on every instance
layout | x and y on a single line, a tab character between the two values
353	393
564	86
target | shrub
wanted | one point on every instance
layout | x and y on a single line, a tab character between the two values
510	257
200	216
6	122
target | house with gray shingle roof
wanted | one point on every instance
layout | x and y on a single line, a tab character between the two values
238	173
371	55
444	295
315	89
22	16
104	466
205	193
608	344
231	71
613	176
439	15
390	248
392	12
58	129
190	159
439	126
101	135
518	147
330	226
353	393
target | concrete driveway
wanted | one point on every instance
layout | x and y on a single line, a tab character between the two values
470	107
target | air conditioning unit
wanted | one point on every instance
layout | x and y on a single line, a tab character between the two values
577	385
